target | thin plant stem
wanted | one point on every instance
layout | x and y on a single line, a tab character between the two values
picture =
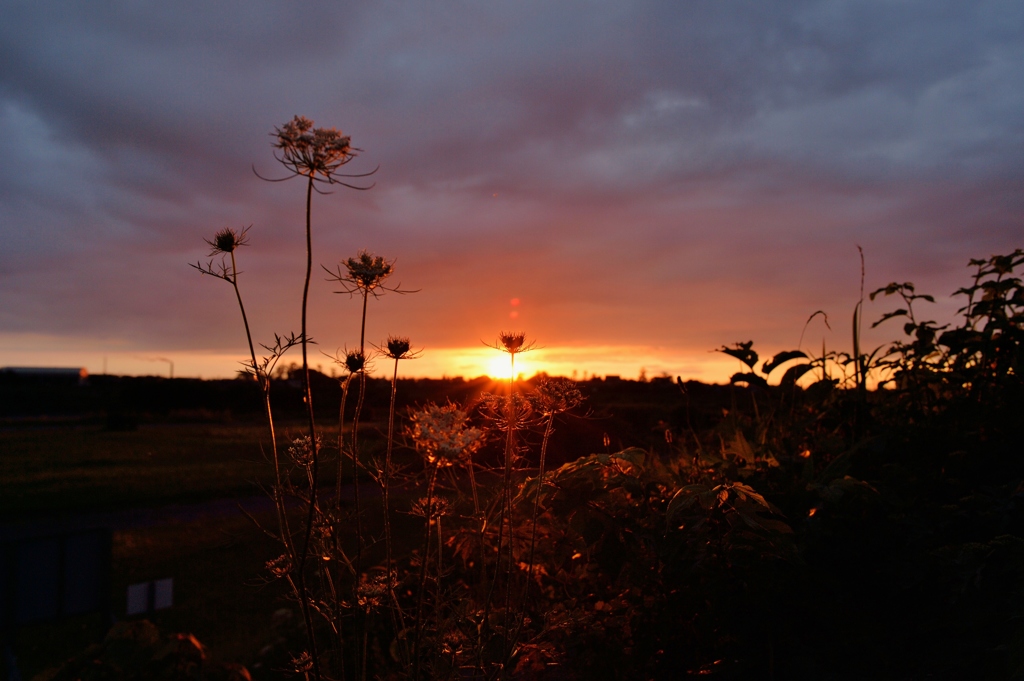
264	383
362	328
398	617
509	451
481	518
284	531
355	426
312	435
386	482
424	561
327	587
533	532
503	515
354	453
341	440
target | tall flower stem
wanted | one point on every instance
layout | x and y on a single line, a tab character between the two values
504	516
509	453
355	475
264	383
548	427
315	154
312	436
386	483
397	348
355	436
354	453
513	344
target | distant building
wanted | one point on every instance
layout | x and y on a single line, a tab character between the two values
61	374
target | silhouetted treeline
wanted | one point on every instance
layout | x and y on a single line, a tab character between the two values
630	412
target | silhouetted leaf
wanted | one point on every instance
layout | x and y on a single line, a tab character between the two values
742	352
780	359
749	379
889	315
905	287
793	373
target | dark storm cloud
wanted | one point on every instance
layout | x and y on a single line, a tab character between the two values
711	146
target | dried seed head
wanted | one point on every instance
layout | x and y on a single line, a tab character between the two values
398	348
227	240
512	342
355	361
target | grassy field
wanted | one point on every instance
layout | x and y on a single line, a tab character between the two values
78	468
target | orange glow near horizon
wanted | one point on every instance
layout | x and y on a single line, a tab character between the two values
580	362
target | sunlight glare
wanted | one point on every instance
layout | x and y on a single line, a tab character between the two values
499	367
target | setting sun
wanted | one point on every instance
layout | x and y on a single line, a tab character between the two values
500	367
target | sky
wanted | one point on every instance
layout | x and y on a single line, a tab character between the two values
632	184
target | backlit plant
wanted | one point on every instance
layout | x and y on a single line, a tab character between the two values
641	563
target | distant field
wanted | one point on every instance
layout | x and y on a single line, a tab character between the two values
64	468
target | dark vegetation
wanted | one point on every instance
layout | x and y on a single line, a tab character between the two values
743	531
793	524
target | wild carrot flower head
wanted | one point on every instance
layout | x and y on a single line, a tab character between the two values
301	450
367	271
504	411
227	240
443	434
310	151
555	396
